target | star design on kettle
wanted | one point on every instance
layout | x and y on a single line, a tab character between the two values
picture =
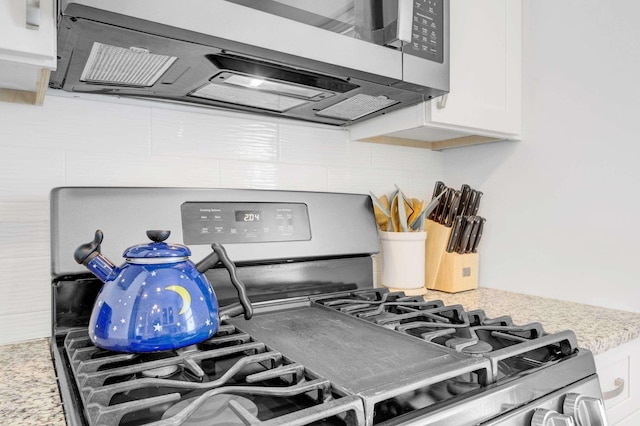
153	273
157	327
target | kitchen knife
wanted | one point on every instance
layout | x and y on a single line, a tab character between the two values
477	240
470	203
464	199
453	208
439	212
458	223
443	206
466	233
437	189
476	203
437	193
474	234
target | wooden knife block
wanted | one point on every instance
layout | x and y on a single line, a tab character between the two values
448	272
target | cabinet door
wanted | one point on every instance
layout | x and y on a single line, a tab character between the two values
619	374
20	42
485	92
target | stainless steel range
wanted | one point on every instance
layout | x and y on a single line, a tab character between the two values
324	347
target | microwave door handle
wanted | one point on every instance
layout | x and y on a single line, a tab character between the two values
364	14
405	20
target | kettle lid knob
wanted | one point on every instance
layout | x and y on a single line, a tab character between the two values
158	235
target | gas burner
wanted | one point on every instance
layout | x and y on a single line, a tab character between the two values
469	346
161	372
223	408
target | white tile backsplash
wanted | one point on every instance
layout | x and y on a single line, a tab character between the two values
89	142
247	174
73	125
213	136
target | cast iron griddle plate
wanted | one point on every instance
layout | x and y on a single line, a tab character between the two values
355	355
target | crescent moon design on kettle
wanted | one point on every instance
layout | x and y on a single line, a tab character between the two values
184	294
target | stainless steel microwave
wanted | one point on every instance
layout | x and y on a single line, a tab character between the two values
329	61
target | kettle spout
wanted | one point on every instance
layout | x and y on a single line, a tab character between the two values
89	255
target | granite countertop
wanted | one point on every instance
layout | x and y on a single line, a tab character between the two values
597	329
29	391
28	387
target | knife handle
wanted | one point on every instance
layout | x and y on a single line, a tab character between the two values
437	190
476	203
474	248
455	234
474	234
442	206
453	208
465	190
466	234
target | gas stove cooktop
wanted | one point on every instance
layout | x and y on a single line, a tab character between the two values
323	347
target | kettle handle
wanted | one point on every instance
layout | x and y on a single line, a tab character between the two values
84	253
220	255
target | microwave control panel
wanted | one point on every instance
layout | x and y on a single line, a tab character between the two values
244	222
427	30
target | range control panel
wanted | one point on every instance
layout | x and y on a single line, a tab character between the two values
243	222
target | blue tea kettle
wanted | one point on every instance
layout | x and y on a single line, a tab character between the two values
158	299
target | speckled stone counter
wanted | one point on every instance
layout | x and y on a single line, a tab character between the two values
28	387
598	329
29	391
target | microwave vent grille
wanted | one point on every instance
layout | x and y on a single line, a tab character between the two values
356	107
134	66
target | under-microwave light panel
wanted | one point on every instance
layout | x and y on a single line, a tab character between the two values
132	66
248	97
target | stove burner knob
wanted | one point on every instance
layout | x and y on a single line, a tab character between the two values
586	410
544	417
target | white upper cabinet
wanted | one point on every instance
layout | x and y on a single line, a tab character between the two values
27	49
484	103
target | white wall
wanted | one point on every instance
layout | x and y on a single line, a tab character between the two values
84	142
562	206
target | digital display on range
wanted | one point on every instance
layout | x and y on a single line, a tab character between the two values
248	215
244	222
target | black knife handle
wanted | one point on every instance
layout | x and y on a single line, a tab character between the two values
453	208
444	210
466	234
455	233
474	249
474	234
437	190
464	198
476	203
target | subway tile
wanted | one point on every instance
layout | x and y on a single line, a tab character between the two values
140	170
25	326
321	146
247	174
65	123
379	181
404	157
213	135
24	227
25	285
29	173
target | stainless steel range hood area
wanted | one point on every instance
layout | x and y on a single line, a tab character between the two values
104	52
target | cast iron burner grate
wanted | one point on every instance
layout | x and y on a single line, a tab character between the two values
228	375
512	349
